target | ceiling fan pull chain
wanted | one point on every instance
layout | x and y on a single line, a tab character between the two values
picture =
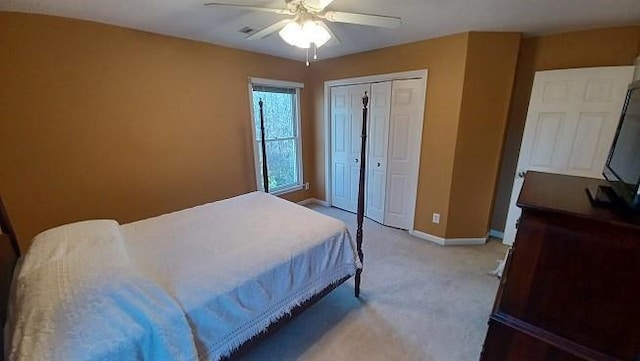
315	51
307	56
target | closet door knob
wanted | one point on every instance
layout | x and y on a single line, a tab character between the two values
356	160
378	164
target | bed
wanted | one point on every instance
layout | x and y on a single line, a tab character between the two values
199	284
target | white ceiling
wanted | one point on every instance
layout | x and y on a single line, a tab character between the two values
421	19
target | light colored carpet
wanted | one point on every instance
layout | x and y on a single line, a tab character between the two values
419	301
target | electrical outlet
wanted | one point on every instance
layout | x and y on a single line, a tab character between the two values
436	218
306	186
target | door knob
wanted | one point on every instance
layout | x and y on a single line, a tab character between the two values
378	164
356	160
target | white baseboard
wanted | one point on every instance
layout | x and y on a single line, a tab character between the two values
496	234
313	201
448	241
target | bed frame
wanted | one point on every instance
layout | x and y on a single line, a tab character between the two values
10	252
359	234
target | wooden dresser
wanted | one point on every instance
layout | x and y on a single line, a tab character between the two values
571	286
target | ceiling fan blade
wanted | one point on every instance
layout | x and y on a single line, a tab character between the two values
317	5
269	30
390	22
335	40
252	8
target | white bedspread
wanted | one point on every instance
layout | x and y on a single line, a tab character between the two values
189	285
78	297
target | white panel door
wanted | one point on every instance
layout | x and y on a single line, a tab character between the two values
570	125
378	138
405	134
346	127
340	146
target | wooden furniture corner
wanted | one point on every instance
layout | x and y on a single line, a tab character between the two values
571	290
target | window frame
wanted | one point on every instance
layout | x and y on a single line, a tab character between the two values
297	131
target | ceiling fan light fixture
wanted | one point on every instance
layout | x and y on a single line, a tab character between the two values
292	33
302	36
316	33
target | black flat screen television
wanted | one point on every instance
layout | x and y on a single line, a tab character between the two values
622	169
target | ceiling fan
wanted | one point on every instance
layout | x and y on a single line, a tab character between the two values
306	29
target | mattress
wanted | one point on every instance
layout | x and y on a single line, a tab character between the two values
189	285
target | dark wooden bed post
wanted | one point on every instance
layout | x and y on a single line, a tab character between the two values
265	174
9	253
361	190
7	229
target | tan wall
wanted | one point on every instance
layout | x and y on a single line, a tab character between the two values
602	47
445	60
101	121
468	94
489	74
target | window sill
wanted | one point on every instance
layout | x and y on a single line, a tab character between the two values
283	191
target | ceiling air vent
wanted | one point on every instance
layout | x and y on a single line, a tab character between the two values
247	30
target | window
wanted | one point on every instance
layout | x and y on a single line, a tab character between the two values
281	104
